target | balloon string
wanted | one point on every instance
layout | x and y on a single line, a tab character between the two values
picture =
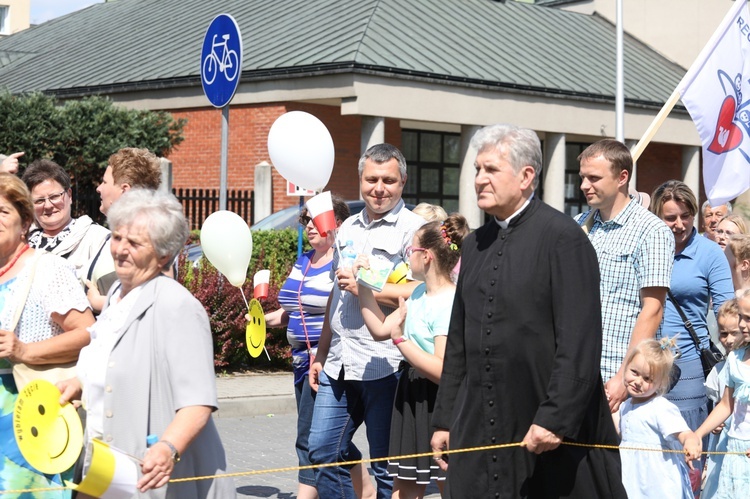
336	245
247	305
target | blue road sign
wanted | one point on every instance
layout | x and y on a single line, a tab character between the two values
221	60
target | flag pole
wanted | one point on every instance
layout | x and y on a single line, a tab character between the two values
655	125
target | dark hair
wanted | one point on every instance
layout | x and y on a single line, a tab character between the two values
17	194
613	151
444	239
383	153
45	169
673	190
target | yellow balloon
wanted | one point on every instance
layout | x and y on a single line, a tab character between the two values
255	334
50	436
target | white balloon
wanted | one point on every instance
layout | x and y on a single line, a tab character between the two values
301	149
228	244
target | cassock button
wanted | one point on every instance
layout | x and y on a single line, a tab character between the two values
499	253
497	494
486	351
494	459
494	476
487	368
492	282
495	267
502	237
492	421
491	402
488	332
491	298
493	439
489	314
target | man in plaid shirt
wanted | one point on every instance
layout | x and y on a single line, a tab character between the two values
635	251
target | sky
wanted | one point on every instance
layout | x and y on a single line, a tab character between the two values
44	10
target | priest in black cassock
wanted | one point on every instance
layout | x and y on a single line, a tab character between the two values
525	339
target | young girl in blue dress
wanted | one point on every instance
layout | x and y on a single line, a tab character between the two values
734	477
649	421
420	335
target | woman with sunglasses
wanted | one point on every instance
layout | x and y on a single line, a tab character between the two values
79	240
303	298
420	336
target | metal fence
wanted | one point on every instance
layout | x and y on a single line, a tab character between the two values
200	203
197	204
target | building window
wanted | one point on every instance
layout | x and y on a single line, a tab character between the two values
433	167
575	200
4	23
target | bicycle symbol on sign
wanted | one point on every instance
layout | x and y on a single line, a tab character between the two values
227	64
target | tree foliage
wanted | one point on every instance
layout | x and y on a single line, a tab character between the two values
80	135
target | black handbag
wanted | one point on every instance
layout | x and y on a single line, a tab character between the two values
709	356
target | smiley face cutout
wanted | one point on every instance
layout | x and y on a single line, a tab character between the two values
50	436
255	334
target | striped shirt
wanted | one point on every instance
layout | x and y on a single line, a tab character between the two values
352	346
635	251
316	286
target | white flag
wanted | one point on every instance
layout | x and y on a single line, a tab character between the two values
712	91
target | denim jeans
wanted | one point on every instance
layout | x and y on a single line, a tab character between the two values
305	402
341	407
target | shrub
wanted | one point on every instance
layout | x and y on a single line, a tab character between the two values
272	250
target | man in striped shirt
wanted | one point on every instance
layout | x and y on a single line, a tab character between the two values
635	250
355	376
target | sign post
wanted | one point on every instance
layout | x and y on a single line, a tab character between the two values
221	65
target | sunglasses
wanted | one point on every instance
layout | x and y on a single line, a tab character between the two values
304	220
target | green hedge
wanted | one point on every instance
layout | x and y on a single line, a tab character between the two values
272	250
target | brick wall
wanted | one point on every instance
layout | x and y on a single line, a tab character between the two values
657	164
197	161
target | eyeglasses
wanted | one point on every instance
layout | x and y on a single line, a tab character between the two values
723	232
411	249
304	220
52	198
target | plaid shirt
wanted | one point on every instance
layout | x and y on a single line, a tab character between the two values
635	251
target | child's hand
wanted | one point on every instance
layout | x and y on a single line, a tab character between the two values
398	329
360	263
692	448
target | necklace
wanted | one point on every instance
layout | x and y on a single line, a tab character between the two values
13	262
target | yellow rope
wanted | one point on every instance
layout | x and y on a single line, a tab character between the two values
389	458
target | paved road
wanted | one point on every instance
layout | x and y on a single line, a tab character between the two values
263	442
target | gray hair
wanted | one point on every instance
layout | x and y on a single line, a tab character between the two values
522	145
382	153
167	226
706	204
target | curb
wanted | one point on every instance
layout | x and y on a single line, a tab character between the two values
256	406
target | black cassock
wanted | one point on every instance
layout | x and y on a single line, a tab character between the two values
523	347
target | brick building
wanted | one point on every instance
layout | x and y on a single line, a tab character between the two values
423	75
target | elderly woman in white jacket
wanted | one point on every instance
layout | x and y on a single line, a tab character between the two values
149	369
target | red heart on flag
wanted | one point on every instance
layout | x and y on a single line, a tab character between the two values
727	136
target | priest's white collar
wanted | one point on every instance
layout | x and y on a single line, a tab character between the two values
504	223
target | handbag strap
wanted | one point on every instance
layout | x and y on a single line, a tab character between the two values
688	324
301	310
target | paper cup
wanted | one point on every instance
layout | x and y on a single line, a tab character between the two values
260	284
321	212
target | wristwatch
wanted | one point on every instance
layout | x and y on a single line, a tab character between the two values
175	452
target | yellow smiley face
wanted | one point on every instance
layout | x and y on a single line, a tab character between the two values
255	334
50	436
